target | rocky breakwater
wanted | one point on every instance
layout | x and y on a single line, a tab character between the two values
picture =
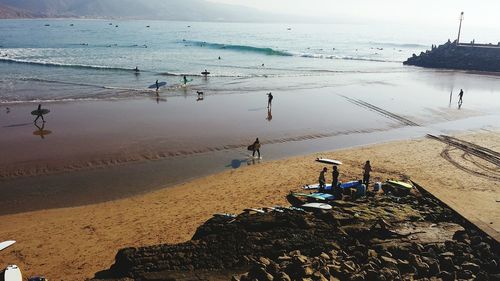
380	237
478	57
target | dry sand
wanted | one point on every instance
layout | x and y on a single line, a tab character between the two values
74	243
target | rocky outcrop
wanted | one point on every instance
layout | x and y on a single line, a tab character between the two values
478	57
418	238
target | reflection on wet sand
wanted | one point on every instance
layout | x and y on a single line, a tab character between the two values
41	131
269	114
236	163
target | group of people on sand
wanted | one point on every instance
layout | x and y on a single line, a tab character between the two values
336	188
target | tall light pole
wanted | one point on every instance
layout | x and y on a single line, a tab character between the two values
460	27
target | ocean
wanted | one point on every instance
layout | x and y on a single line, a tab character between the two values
335	86
64	60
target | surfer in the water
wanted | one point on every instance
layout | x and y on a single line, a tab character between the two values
39	113
269	100
185	80
157	85
136	69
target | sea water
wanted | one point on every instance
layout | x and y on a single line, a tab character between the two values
60	60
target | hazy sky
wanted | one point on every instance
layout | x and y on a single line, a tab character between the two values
429	12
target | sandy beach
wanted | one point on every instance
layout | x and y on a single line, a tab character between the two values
74	243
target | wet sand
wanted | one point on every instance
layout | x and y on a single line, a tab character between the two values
74	243
113	149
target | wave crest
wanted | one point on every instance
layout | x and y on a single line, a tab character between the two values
56	64
241	48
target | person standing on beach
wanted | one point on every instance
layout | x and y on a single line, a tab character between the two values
256	147
366	172
322	179
335	177
269	100
460	95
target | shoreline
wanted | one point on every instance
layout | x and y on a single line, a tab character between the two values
79	241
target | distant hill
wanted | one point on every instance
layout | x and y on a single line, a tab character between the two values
188	10
13	13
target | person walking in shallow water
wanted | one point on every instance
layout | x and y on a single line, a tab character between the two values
256	147
460	95
157	85
269	100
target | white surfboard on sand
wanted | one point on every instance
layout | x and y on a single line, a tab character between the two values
328	161
260	211
320	206
316	186
6	244
12	273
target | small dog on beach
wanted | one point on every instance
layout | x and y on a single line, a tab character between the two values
200	95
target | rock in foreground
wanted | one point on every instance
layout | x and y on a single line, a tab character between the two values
376	238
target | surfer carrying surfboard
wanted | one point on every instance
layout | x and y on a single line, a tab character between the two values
185	80
157	85
256	147
39	113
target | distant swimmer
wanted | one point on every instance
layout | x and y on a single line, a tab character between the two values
262	65
460	95
269	100
219	57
